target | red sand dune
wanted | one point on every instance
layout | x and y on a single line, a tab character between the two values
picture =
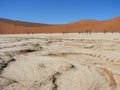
15	27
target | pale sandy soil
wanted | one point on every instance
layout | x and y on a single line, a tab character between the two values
60	62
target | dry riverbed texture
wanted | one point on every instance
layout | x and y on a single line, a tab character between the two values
60	62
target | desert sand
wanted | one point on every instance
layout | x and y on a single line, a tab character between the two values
88	25
60	61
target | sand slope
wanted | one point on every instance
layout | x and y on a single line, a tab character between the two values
10	26
60	62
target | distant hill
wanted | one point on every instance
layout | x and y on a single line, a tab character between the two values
8	26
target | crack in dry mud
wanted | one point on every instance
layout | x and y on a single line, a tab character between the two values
4	64
54	78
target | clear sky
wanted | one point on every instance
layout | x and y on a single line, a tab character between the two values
58	11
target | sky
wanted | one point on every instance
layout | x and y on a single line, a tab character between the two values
59	11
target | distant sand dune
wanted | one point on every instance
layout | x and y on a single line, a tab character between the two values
15	27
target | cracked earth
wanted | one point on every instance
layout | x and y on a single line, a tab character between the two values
60	62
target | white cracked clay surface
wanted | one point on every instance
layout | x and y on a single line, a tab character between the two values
60	62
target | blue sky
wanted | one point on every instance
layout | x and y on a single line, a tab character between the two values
58	11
